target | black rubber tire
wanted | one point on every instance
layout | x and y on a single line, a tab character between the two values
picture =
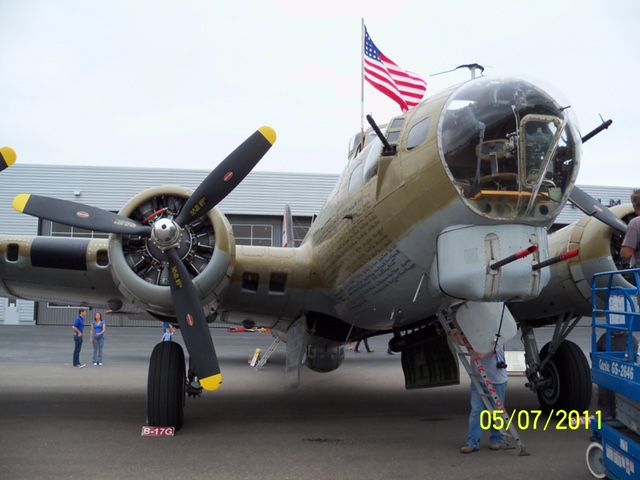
166	386
571	376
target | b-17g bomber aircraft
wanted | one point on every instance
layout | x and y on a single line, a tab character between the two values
426	222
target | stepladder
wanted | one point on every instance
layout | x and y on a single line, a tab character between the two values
265	357
480	381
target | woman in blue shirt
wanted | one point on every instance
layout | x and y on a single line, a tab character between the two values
98	330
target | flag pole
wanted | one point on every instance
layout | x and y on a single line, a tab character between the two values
362	81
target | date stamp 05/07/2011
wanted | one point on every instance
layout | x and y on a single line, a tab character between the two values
538	420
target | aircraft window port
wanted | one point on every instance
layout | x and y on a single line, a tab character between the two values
250	281
396	124
13	251
356	180
277	282
393	137
418	133
102	258
371	163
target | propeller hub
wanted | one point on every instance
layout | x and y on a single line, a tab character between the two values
165	233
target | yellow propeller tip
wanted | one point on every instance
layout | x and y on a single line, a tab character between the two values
20	202
268	133
211	383
9	155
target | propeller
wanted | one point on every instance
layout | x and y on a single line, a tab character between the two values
7	157
77	215
594	208
193	323
166	234
227	175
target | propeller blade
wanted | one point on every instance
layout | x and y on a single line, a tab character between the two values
7	157
227	175
594	208
77	215
193	323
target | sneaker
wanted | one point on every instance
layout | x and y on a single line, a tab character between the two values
468	449
82	365
100	363
95	364
495	446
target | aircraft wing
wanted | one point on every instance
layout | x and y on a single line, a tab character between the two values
62	270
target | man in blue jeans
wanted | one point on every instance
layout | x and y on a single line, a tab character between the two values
78	330
496	370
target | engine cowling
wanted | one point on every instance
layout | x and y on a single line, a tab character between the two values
140	269
569	288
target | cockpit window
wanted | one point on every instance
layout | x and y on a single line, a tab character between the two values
510	149
393	137
396	123
356	145
394	129
418	133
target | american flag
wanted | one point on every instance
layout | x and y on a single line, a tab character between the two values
403	87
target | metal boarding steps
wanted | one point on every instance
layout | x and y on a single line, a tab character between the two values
480	381
616	452
264	358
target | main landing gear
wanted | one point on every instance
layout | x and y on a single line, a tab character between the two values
559	373
166	386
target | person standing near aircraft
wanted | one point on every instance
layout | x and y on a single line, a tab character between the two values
167	336
496	370
78	330
630	250
366	345
98	330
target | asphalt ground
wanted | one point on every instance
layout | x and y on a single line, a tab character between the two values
359	422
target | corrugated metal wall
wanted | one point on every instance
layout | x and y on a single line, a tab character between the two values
261	193
66	316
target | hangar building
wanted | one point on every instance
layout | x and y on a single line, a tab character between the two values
254	209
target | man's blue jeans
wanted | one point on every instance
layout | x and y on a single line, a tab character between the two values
77	340
477	406
98	342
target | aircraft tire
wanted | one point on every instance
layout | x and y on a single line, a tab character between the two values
166	386
570	377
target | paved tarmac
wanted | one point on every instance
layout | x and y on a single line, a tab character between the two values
359	422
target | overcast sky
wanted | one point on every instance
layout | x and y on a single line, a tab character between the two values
157	83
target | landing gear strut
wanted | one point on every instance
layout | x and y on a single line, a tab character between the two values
193	387
166	386
559	373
